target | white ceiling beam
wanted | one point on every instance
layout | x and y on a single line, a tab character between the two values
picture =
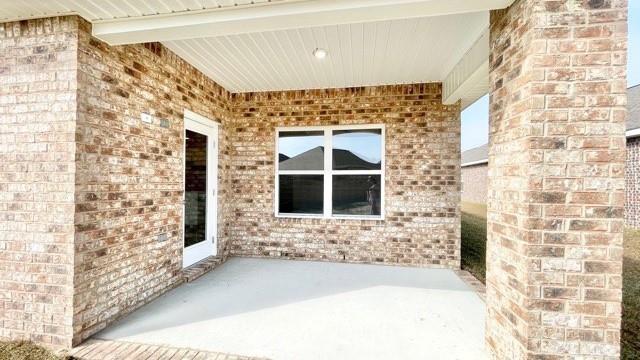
277	16
469	79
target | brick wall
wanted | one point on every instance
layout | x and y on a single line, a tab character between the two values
38	85
129	184
422	225
556	179
474	183
632	175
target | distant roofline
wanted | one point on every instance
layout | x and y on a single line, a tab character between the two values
633	132
629	134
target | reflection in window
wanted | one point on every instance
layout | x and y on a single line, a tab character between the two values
357	149
195	205
301	150
350	169
301	194
356	194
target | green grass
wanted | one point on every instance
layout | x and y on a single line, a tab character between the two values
474	239
631	296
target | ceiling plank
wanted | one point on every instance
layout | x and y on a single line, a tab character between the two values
277	16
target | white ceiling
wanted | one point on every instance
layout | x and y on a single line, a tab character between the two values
375	53
94	10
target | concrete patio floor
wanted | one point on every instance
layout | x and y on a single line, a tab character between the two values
299	310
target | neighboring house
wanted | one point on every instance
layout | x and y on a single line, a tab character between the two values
632	174
126	124
475	165
474	174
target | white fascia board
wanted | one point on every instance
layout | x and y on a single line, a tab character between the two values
633	133
478	162
276	16
468	80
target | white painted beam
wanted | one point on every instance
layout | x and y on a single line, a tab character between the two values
633	133
277	16
469	79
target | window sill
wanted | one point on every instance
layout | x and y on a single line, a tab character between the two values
334	217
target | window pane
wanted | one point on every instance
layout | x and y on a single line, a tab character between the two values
301	150
301	194
357	149
195	196
356	195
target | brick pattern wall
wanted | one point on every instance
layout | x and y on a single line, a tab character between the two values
422	225
474	183
38	85
129	184
556	179
632	175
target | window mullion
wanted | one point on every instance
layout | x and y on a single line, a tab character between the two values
327	173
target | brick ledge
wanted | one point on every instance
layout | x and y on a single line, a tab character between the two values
473	283
95	349
200	268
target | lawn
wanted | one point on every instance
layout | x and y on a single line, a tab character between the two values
474	238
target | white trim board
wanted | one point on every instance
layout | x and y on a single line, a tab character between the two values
203	120
277	16
633	133
477	162
209	246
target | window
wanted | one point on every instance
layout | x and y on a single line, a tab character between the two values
345	181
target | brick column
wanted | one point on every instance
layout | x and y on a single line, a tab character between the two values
556	179
38	86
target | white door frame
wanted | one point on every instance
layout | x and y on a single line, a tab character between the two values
208	247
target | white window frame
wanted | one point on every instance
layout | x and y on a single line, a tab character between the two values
328	172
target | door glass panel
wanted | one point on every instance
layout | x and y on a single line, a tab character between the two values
195	224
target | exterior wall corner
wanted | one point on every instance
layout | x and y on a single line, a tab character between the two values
556	179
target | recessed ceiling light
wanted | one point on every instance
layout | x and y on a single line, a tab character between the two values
320	53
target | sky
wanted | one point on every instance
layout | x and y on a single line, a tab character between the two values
475	119
364	144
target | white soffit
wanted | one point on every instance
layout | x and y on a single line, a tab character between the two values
260	45
361	54
469	79
97	10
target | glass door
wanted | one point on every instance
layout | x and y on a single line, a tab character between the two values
200	189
